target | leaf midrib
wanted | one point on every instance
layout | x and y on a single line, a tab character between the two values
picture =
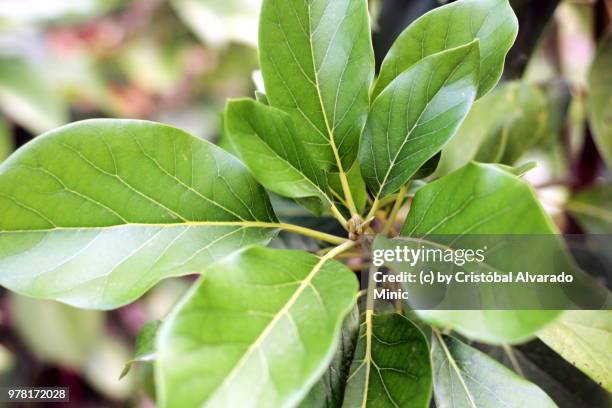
299	170
416	123
306	282
453	364
330	133
243	224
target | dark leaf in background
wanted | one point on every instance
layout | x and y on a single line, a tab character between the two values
533	19
328	392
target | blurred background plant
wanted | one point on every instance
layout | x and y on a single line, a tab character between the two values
177	61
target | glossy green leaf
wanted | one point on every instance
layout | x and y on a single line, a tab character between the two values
416	115
258	330
144	350
600	98
481	199
593	209
265	139
584	338
328	392
318	64
27	97
391	367
96	213
466	377
491	21
500	128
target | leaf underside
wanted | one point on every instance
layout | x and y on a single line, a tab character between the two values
97	212
257	331
466	377
481	199
584	338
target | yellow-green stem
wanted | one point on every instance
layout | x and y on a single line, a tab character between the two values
372	212
399	200
345	246
337	215
347	193
332	239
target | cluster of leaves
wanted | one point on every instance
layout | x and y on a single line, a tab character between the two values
98	212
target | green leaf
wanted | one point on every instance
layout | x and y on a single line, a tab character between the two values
318	64
584	338
262	327
416	115
500	128
27	97
493	147
491	21
466	377
328	392
54	332
97	212
481	199
144	351
600	98
391	367
265	139
593	209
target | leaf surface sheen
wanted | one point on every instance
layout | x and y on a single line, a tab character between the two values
491	21
97	212
416	116
317	63
257	331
